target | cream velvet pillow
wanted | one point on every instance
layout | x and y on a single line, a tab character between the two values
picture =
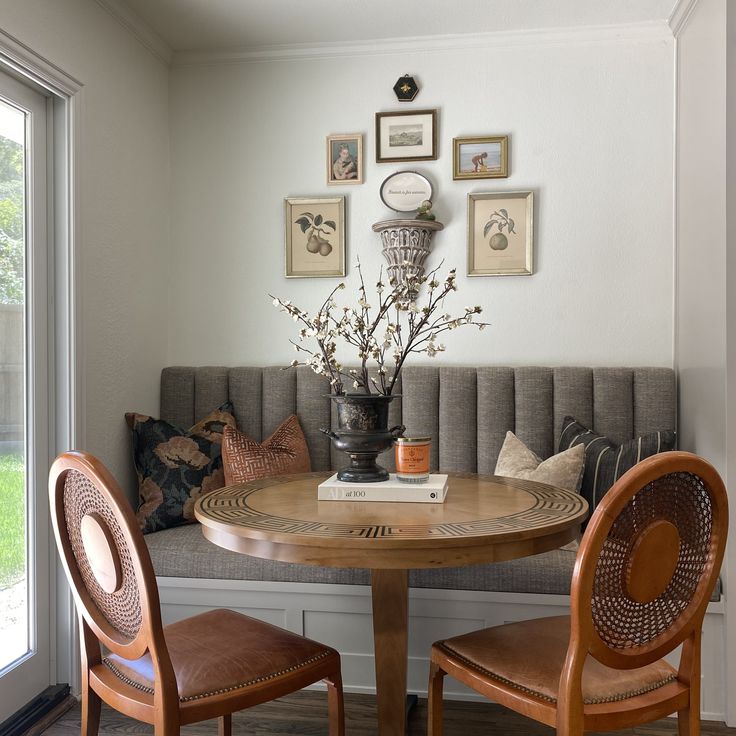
564	470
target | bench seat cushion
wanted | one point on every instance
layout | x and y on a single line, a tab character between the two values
184	553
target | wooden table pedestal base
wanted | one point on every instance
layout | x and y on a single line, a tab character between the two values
390	590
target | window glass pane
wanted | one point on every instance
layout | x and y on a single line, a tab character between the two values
14	623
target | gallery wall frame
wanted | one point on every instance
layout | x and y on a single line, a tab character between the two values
406	135
314	237
405	191
345	159
501	233
480	157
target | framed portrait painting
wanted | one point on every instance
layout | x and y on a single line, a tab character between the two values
500	234
345	159
484	157
315	236
406	135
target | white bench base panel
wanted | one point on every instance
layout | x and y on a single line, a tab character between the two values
340	615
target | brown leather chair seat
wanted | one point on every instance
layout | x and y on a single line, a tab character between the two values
207	664
529	656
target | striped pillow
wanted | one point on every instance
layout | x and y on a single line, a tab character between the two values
606	461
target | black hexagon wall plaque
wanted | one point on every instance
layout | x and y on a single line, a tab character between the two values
406	88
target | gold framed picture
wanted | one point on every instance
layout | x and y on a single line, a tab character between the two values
406	135
315	236
482	157
500	233
345	159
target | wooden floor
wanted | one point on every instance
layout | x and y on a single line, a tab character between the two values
305	713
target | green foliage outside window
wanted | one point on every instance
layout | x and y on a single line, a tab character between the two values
12	520
11	222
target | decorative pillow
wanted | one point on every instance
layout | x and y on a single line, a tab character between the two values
564	470
175	467
606	461
285	451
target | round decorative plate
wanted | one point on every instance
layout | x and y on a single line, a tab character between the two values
404	191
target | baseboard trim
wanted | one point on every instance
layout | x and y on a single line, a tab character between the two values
52	716
53	700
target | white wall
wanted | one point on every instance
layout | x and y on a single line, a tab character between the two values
701	231
124	179
591	134
706	271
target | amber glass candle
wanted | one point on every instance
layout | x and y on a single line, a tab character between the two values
412	459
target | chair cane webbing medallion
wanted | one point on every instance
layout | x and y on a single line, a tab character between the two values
622	620
101	550
653	561
122	607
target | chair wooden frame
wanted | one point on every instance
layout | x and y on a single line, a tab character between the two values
569	714
162	708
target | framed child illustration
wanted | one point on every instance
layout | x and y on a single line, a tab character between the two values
483	157
345	159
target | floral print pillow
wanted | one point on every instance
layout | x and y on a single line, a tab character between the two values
175	467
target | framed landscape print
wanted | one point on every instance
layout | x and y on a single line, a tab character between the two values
500	233
406	135
345	159
484	157
315	236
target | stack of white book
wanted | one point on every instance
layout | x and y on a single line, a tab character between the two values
432	491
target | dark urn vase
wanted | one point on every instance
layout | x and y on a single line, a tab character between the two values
362	432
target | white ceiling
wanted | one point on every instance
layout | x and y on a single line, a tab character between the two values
208	25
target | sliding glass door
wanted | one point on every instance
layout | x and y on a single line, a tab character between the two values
24	395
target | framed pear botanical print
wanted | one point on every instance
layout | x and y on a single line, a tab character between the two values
500	233
315	237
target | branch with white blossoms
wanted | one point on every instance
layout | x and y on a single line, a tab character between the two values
385	334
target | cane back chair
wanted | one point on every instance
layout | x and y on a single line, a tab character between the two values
643	575
207	666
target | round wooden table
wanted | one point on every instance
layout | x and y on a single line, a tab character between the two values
483	519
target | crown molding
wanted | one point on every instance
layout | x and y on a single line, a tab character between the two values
680	15
134	24
646	31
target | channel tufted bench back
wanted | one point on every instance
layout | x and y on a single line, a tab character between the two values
466	410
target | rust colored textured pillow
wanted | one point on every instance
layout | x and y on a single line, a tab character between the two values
285	451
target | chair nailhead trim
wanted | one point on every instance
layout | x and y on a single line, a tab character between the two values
199	696
592	701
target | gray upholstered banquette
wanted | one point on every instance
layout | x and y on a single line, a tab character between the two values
467	411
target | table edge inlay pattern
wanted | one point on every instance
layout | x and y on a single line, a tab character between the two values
227	510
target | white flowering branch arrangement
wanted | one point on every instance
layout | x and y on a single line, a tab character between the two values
386	333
